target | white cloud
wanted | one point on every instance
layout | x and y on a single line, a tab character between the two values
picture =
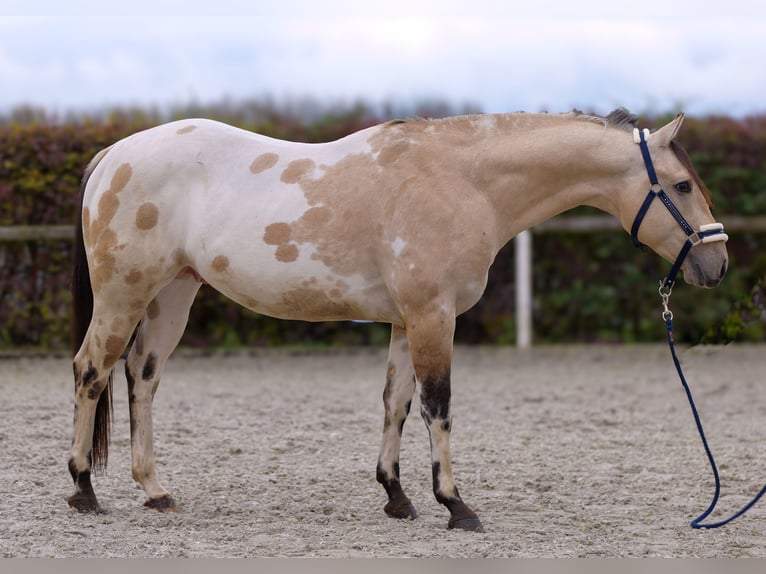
497	54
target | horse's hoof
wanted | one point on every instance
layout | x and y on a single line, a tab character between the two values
163	503
84	503
401	510
470	523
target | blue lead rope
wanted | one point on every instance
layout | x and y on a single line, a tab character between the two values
697	522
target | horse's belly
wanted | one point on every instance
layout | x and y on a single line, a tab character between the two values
312	295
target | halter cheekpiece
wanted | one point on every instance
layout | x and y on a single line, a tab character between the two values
706	234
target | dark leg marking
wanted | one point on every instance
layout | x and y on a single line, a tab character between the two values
387	396
435	397
149	367
387	472
399	505
131	397
131	383
91	374
84	498
461	516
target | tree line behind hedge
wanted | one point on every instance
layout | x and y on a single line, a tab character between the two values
589	287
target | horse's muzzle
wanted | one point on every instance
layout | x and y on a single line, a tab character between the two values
704	273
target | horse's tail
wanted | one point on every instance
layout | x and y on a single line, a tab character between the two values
82	313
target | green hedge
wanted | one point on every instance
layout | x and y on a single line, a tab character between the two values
592	287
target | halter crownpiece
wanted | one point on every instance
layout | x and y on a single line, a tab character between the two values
707	233
637	136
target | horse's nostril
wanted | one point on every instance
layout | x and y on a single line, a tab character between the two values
723	268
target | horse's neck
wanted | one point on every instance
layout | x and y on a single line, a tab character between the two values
534	166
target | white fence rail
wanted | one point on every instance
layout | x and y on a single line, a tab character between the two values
523	250
35	232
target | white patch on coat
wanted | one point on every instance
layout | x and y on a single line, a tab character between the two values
397	246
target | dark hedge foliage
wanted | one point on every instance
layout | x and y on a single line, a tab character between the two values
588	287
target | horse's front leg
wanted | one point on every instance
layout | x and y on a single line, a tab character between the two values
430	340
397	397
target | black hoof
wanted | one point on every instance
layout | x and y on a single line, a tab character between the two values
162	504
472	524
84	503
402	509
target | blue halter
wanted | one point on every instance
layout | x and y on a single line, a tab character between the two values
707	233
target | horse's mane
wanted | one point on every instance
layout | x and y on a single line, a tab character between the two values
623	119
620	118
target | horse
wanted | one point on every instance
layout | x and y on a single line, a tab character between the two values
396	223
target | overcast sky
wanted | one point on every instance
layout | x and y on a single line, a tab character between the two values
499	55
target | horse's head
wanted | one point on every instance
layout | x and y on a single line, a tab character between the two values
674	219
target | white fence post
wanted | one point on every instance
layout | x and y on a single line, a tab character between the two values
523	252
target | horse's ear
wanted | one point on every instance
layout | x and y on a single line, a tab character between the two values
668	132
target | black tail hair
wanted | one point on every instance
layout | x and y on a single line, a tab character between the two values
82	313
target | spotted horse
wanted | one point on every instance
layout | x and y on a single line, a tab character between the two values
398	223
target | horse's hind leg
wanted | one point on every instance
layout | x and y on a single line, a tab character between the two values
397	397
106	338
158	334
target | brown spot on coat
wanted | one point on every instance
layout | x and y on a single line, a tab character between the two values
133	277
114	347
99	238
120	178
153	310
220	263
146	216
287	252
186	130
263	162
277	234
104	262
316	217
297	170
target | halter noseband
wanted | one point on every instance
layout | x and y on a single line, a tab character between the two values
707	233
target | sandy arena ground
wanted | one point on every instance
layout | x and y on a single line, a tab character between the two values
563	451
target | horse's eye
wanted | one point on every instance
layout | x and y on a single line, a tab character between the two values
684	187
